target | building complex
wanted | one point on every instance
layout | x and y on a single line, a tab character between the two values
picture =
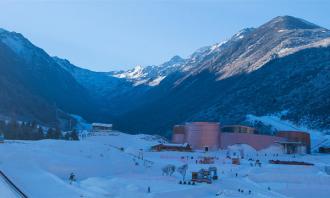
209	135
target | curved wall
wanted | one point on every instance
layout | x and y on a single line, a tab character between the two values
203	134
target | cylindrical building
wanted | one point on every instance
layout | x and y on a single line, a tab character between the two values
178	134
203	135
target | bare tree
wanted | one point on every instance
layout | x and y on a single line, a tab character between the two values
183	170
168	169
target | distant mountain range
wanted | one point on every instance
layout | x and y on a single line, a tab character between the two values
281	66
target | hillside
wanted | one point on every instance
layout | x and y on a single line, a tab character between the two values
33	86
281	67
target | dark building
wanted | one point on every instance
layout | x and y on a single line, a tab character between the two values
172	147
324	149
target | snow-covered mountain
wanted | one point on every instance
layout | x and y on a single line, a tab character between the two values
251	48
276	67
99	84
33	86
150	75
280	66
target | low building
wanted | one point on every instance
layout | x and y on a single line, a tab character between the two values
238	129
206	160
178	134
236	161
300	138
293	147
101	127
290	163
324	149
205	175
172	147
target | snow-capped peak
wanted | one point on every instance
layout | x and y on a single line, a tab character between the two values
136	72
150	75
217	45
242	33
290	23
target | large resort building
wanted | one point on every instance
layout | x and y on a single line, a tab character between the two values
209	135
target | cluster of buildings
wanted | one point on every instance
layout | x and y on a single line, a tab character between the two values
211	136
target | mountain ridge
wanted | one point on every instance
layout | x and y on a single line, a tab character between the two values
215	83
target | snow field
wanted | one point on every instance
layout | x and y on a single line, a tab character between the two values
108	166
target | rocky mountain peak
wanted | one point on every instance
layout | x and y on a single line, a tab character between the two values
289	23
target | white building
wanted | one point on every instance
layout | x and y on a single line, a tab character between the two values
101	128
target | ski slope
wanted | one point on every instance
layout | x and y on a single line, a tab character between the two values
108	166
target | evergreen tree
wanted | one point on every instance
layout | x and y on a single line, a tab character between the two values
50	134
13	130
74	135
58	133
40	134
34	124
2	127
67	136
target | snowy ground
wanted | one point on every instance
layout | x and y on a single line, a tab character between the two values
6	191
41	169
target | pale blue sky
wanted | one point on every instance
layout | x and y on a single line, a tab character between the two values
112	35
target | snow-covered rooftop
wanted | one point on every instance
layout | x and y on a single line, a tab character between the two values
101	125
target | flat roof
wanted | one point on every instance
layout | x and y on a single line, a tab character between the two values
101	124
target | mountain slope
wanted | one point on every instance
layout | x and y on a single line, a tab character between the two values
281	66
34	85
258	71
